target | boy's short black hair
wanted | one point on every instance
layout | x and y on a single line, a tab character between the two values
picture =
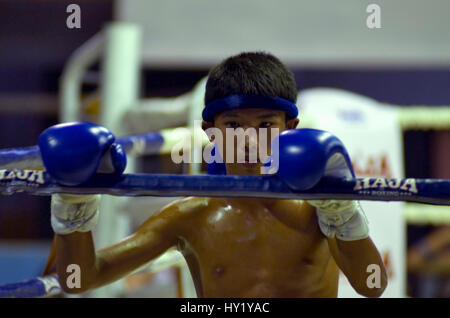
252	73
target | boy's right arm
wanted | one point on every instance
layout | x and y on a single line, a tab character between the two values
97	268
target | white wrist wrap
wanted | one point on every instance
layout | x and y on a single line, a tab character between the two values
344	220
74	213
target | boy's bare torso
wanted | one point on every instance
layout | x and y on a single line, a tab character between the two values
240	247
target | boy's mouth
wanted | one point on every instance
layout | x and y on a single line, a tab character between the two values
250	164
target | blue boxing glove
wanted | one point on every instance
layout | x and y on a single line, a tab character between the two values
307	155
72	153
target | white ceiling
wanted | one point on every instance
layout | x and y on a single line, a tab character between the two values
319	33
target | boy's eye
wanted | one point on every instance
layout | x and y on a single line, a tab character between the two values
265	124
232	124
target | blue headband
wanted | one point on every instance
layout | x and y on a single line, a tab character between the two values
248	101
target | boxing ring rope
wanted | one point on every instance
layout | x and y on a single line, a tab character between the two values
49	285
39	182
146	144
37	287
430	191
423	214
424	117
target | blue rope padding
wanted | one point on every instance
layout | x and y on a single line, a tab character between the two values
33	288
431	191
30	157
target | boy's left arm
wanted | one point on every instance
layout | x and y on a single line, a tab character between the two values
355	259
346	228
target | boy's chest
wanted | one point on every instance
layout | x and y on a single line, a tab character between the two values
246	233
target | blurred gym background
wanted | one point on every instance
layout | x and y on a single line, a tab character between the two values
406	62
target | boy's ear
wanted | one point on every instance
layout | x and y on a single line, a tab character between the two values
207	124
292	123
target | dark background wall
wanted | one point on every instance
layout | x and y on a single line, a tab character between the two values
34	45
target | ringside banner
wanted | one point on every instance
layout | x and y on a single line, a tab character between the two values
373	139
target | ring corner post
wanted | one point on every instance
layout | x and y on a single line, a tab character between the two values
119	91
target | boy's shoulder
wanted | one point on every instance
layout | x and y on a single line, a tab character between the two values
295	213
179	213
295	205
188	205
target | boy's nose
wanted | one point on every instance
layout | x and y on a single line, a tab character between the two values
251	141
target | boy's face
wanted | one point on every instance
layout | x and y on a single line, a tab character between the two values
247	137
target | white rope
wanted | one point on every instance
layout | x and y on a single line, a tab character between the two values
422	214
424	117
